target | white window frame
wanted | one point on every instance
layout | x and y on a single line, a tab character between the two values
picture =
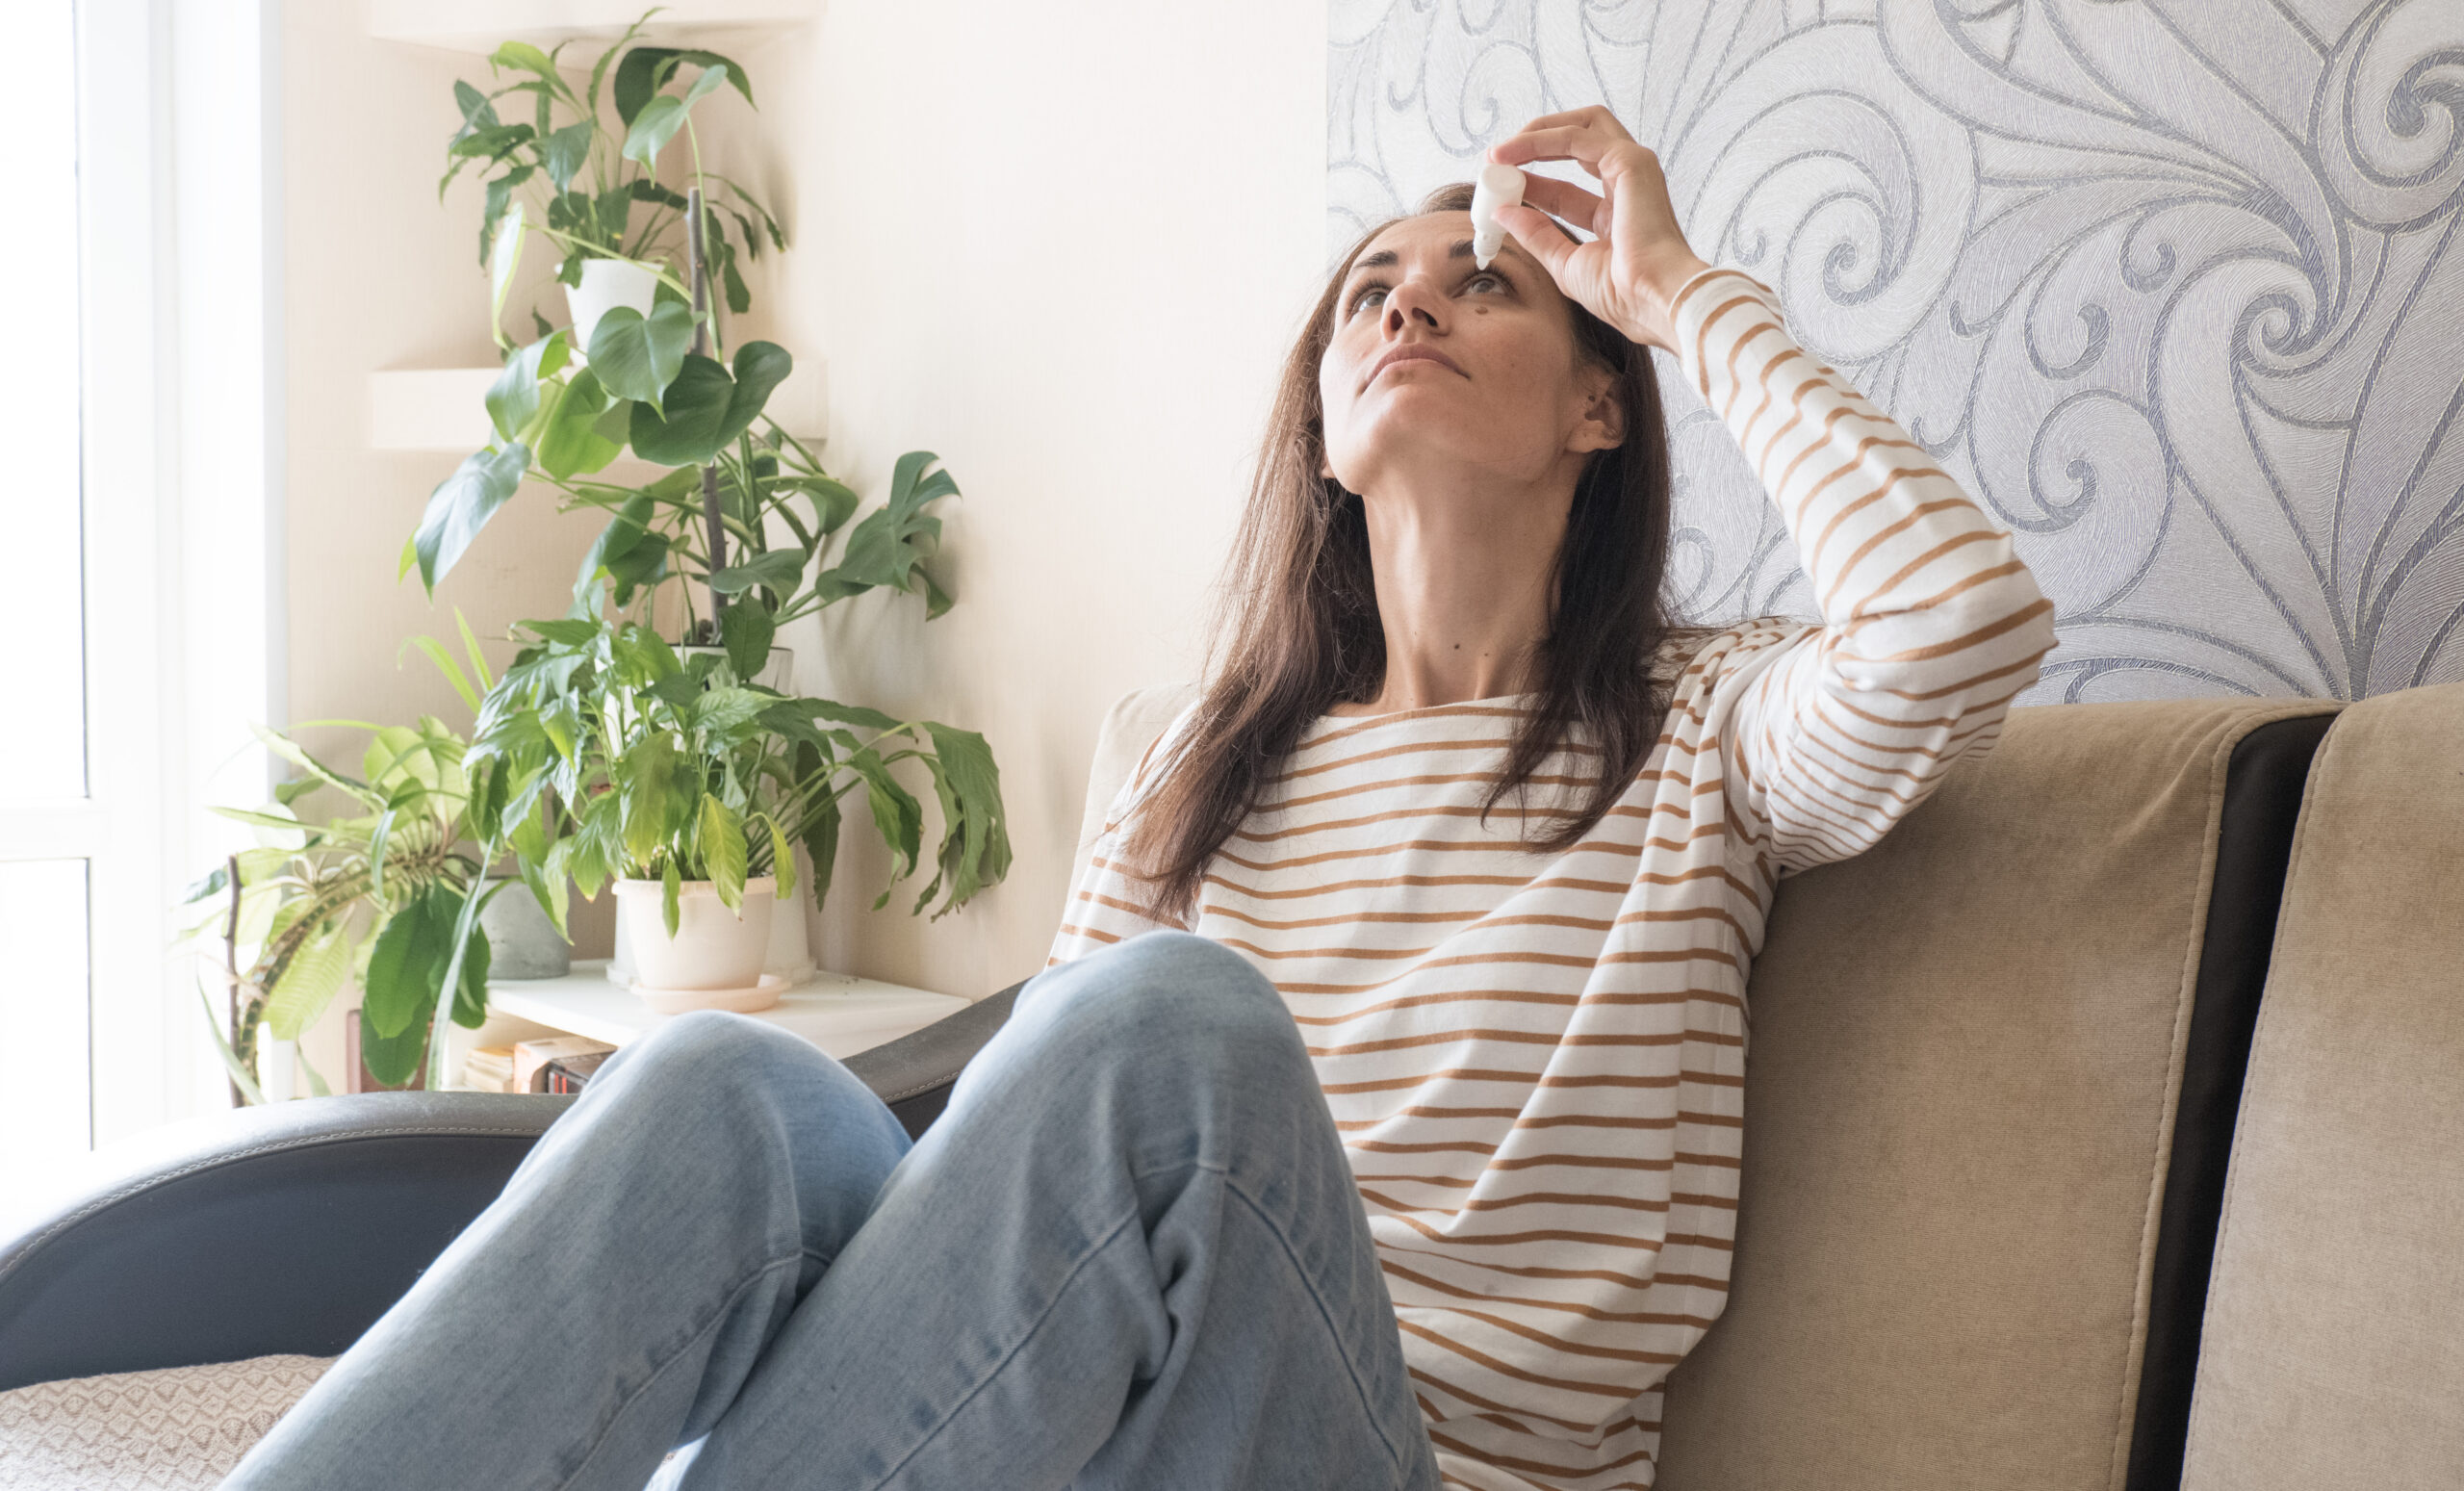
179	239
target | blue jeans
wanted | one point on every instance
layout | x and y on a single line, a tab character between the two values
1129	1255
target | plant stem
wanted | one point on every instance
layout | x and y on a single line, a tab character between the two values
231	966
698	268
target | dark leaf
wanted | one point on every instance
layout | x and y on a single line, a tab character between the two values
706	409
779	569
747	628
563	152
407	967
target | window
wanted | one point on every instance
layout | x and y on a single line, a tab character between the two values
141	501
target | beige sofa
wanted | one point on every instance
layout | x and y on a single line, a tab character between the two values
1996	1067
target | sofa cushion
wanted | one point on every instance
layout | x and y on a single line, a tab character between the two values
166	1431
1966	1049
2333	1356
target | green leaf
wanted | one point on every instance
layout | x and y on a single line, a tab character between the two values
652	128
213	883
646	70
706	409
897	813
392	1060
975	832
783	857
637	357
521	55
650	776
834	502
723	852
564	152
504	255
887	546
470	990
308	984
477	113
821	844
747	628
672	882
779	569
461	505
625	551
513	398
406	970
725	711
571	442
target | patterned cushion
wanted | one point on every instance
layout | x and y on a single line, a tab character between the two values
168	1430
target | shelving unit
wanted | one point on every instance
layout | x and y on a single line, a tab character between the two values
837	1011
446	408
477	25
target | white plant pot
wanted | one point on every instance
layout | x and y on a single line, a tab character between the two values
714	949
607	284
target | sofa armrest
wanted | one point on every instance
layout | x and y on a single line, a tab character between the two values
290	1229
914	1073
286	1228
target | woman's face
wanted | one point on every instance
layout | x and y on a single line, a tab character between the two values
1438	371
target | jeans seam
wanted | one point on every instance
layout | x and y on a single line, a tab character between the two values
1009	1356
660	1371
1267	1220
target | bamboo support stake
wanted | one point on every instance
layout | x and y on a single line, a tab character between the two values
712	522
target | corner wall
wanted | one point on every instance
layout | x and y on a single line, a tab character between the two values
1092	360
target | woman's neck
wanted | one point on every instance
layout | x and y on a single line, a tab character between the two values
1463	591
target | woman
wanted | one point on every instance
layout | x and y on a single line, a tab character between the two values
1417	1164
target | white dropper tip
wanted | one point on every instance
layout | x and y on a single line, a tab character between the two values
1496	186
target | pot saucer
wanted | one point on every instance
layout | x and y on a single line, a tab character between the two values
747	1000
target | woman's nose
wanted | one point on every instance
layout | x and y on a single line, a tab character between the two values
1414	301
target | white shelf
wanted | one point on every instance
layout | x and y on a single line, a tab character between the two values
840	1014
446	408
478	26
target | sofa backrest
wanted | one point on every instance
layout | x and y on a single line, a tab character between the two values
2333	1356
1131	725
1966	1049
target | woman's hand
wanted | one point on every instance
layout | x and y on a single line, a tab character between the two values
1638	259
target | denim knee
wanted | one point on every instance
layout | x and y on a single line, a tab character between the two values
705	1052
1163	997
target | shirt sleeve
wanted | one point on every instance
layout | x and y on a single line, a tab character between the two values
1106	903
1930	623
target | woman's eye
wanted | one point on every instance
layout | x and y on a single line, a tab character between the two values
1361	296
1485	278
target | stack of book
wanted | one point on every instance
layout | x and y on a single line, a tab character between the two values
553	1064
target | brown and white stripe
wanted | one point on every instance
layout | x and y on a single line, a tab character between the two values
1537	1059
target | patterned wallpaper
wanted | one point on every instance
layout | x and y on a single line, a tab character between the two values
2173	286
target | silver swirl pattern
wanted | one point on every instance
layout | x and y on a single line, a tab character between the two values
2172	286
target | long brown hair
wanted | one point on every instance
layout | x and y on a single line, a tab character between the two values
1300	629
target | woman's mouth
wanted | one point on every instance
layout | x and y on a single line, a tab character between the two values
1408	352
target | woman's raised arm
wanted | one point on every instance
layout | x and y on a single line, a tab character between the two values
1930	623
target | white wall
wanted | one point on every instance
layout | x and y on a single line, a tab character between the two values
1066	247
1092	363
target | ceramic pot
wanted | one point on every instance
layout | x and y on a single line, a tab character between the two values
522	941
607	284
713	948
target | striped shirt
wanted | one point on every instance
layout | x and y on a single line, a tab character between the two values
1536	1060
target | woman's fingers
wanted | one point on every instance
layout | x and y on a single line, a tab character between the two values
1582	144
1564	201
1540	239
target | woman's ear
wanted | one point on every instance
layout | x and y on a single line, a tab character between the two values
1603	426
